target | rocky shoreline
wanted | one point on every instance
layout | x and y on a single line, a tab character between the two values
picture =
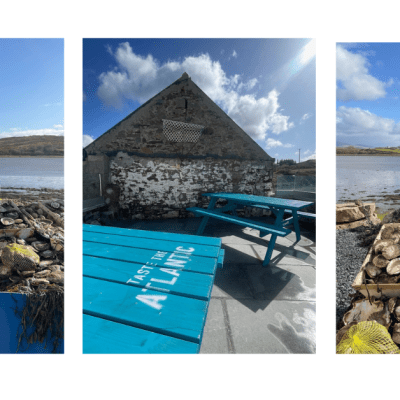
31	246
379	200
31	194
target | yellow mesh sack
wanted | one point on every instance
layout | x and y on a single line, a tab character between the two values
367	337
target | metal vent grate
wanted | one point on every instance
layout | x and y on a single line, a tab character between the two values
180	132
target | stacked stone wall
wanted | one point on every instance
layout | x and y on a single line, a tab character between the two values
164	188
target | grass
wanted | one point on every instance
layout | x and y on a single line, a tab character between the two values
381	216
391	150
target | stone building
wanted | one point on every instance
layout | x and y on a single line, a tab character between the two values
160	159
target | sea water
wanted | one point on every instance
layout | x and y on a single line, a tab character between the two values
35	172
368	178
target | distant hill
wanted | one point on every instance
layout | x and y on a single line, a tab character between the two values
305	168
33	146
379	151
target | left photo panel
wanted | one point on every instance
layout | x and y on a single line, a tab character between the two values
32	196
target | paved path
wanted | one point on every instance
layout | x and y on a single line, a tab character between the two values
255	309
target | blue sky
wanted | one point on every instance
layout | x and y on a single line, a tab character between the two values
31	87
273	80
368	94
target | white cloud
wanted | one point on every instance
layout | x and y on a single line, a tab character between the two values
304	118
234	54
248	85
354	80
310	157
59	126
358	122
86	140
270	143
32	132
139	78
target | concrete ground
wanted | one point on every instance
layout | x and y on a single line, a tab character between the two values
255	309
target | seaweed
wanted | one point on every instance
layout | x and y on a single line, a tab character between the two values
42	319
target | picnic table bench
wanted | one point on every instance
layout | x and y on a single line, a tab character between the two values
276	205
144	291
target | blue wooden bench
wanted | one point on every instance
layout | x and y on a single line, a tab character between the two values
265	229
290	220
146	292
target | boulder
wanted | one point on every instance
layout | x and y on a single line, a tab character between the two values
5	271
20	257
350	212
392	217
363	222
56	277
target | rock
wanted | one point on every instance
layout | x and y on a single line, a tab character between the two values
7	221
26	274
396	333
20	257
363	222
363	310
392	217
5	271
350	212
391	252
47	254
25	233
56	277
42	274
45	263
40	246
39	281
171	214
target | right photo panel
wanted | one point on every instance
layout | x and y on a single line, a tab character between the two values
367	198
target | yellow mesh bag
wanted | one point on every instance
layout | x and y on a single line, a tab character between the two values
367	337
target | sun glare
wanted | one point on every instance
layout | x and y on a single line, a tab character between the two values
308	52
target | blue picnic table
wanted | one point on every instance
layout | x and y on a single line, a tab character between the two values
278	206
144	291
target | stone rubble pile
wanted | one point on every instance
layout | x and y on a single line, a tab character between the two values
378	284
31	246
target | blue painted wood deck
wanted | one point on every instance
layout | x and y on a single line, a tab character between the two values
146	292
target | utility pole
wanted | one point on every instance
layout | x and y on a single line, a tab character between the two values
299	155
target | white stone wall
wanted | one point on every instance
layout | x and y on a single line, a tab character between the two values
165	187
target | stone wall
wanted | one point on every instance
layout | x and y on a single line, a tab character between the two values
164	188
141	133
94	166
158	178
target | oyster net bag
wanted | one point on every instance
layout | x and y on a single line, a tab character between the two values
367	337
